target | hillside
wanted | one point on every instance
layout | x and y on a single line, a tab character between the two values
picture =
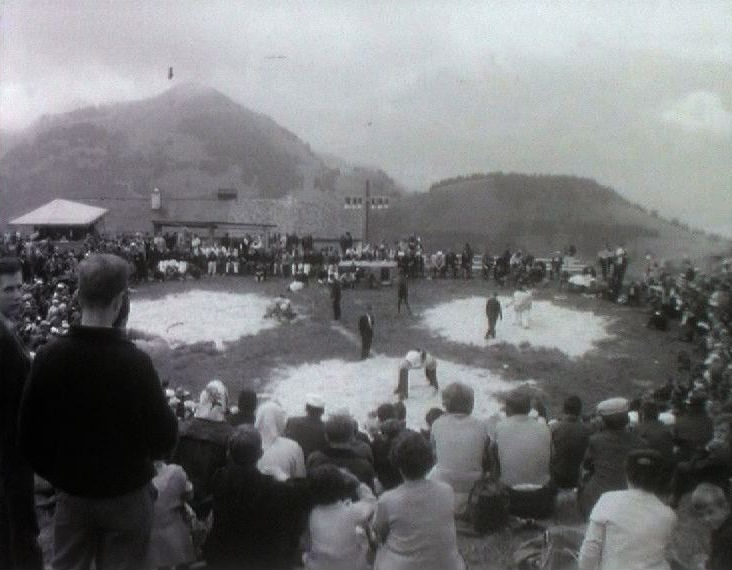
189	141
540	214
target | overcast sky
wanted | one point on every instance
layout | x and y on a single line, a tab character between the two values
637	95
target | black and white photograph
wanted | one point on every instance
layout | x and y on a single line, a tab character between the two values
348	285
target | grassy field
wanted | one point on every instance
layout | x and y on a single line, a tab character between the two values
632	361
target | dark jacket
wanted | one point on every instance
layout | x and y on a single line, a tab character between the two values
346	458
570	437
364	328
493	309
658	436
201	451
720	555
692	431
388	473
308	432
257	521
94	414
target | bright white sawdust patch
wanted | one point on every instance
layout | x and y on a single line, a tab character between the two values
362	385
571	331
201	316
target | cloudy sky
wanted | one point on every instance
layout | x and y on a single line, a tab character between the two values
637	95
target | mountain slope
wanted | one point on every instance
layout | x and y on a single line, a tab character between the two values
189	141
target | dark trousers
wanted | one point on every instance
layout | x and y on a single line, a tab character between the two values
337	310
402	389
114	532
18	527
366	340
491	327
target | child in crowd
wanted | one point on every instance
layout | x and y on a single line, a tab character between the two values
337	526
170	539
710	502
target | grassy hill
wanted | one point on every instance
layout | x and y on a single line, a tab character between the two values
540	214
189	141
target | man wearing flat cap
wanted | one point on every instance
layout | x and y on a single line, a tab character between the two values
309	430
604	462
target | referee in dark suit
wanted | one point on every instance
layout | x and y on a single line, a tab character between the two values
366	330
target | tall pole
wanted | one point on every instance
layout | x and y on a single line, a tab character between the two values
367	206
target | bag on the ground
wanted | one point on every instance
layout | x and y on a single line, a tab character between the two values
487	507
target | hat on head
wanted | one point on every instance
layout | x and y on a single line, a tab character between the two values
613	406
315	401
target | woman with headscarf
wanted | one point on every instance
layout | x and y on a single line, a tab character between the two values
282	457
202	443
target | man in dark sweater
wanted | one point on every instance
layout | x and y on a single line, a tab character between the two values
493	312
18	526
93	417
366	331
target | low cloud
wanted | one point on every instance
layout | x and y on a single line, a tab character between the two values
700	111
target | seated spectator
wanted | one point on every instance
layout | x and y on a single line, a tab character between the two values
337	526
247	408
461	443
414	522
654	432
201	449
693	428
256	519
383	442
522	452
631	528
570	436
429	418
308	430
713	464
339	451
282	457
711	504
607	451
170	538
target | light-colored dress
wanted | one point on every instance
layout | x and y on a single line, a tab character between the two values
416	524
170	538
337	537
628	530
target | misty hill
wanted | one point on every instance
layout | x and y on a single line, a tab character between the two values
537	213
189	142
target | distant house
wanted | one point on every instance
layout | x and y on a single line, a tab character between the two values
61	219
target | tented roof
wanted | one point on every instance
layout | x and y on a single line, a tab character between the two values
61	213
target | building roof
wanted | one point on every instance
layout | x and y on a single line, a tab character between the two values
61	213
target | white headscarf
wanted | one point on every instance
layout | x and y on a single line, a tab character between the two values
270	422
213	402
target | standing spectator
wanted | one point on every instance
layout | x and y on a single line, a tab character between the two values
335	297
109	415
18	526
522	452
308	430
570	437
631	529
337	526
247	408
366	330
415	521
461	443
607	451
201	450
493	312
403	292
282	457
256	519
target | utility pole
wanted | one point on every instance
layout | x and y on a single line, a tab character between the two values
367	208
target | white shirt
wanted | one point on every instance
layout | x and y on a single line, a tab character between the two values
628	530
